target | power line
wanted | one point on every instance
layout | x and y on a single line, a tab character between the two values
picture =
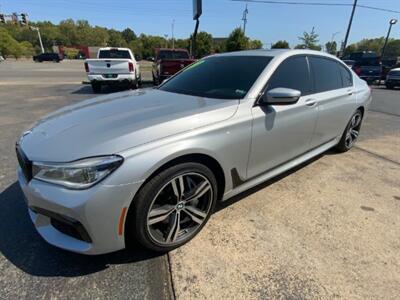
317	4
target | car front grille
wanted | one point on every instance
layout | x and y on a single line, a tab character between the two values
24	163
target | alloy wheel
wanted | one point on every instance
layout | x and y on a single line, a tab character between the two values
353	130
179	208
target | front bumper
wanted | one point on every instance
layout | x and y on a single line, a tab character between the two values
393	80
99	210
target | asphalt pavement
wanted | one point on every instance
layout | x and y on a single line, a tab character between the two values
29	267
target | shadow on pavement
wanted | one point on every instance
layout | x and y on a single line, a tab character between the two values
241	196
22	245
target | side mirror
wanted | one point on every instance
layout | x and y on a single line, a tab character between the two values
280	96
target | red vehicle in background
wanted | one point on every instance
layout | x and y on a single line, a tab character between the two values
167	62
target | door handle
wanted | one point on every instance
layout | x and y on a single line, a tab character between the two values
310	102
350	92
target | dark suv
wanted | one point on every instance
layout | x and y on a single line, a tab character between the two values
47	57
367	65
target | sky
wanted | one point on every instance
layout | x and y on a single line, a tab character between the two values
266	22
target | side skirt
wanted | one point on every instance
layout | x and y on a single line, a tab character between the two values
244	185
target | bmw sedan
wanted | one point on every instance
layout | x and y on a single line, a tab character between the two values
151	164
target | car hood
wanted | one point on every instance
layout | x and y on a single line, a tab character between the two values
112	123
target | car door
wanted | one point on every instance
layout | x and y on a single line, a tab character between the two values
282	132
335	96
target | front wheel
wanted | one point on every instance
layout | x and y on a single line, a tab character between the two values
351	133
173	206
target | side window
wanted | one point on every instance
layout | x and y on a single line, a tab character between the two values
347	78
292	73
326	73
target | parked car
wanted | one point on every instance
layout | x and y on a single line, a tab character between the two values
393	78
168	62
113	66
55	57
367	65
152	164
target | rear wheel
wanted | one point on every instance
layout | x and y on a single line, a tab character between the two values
351	132
389	86
96	87
173	206
134	84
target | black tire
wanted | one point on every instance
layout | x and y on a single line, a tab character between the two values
389	86
137	226
96	87
134	84
343	144
140	83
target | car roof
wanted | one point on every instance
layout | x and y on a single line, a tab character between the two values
276	53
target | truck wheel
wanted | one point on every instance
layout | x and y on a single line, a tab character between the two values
134	84
96	87
140	81
389	86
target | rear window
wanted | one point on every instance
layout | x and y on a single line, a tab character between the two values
369	62
114	53
327	75
221	77
173	55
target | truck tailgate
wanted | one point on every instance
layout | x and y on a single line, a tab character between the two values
174	65
108	66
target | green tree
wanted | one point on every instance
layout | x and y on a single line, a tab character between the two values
255	44
280	45
27	49
204	43
8	45
129	35
309	41
236	40
331	47
116	39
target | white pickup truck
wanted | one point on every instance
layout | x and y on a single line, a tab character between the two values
113	66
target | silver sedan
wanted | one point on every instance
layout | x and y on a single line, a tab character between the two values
151	164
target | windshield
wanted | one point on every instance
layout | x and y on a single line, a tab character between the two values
114	53
173	55
222	77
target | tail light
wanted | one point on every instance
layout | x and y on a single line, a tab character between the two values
131	69
357	70
87	67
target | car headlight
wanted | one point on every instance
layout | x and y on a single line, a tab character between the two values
80	174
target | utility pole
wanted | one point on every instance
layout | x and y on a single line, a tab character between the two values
197	11
349	27
166	40
172	28
391	23
244	19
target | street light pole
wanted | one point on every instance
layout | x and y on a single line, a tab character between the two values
391	23
349	27
40	38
